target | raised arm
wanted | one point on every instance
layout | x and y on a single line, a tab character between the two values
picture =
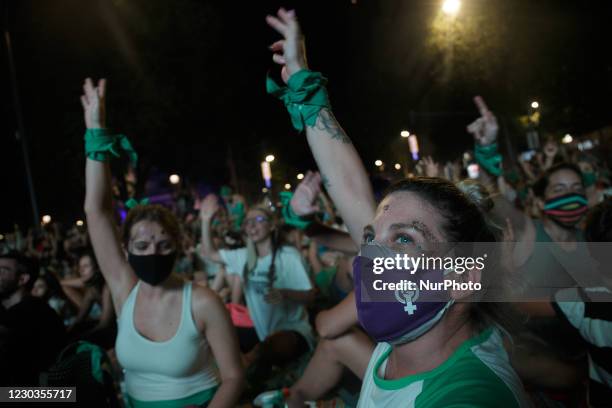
98	205
208	208
303	204
343	172
485	130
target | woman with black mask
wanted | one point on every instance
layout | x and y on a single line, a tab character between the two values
168	329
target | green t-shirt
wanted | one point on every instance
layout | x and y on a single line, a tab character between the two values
477	374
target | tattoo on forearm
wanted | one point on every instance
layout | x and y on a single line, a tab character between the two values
328	123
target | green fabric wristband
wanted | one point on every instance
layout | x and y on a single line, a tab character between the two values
100	145
289	216
488	158
304	96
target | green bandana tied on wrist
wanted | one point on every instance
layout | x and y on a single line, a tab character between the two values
289	216
100	145
489	158
304	96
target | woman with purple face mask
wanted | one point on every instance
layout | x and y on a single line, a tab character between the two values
453	355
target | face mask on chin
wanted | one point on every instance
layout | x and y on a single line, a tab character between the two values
152	269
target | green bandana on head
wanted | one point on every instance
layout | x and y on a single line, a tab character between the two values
304	96
225	191
132	202
101	145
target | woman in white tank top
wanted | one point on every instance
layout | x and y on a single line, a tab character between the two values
169	330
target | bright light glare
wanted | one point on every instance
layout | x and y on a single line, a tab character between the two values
287	186
300	176
378	163
405	133
79	223
174	179
535	105
397	166
451	7
46	219
567	139
264	190
270	158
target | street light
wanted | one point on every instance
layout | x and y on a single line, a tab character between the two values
266	173
405	133
174	179
451	7
378	163
397	166
567	139
413	144
300	176
287	186
79	223
264	190
270	158
535	105
46	219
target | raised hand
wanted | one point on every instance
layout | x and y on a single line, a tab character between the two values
209	207
304	200
93	104
484	128
431	167
289	52
551	149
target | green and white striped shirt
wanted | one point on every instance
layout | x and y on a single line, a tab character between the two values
477	374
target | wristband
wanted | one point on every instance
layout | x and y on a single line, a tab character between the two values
290	217
489	158
100	145
304	96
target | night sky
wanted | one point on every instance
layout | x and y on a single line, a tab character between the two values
186	82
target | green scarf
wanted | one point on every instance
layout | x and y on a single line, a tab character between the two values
100	145
488	158
289	216
304	96
132	202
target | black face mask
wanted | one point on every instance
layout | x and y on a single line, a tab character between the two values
152	269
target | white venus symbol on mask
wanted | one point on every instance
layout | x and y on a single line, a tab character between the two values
408	297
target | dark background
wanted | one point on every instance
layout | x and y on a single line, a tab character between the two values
186	82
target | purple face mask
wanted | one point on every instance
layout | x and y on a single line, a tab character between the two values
398	316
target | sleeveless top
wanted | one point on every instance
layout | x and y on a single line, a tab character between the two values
550	268
167	370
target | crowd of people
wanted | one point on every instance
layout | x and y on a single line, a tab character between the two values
221	300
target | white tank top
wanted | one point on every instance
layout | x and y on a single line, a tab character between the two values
166	370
